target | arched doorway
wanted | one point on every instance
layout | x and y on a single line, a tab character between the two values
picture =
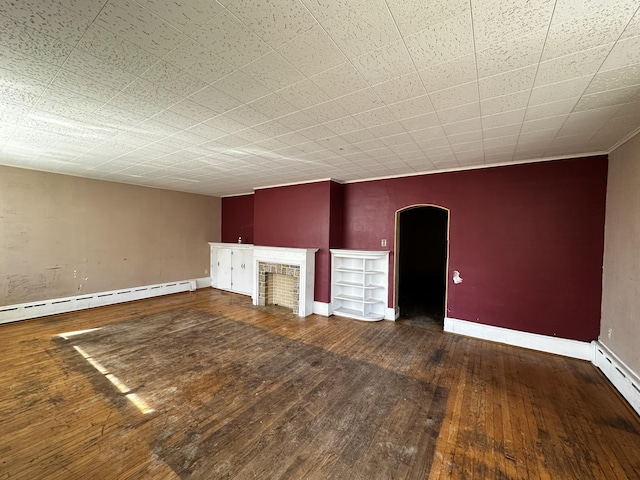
422	249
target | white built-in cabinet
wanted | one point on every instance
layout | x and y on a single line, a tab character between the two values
359	283
232	267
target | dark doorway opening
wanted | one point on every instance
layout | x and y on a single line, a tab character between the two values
422	262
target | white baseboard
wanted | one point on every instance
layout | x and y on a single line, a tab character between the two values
391	314
626	381
24	311
533	341
203	282
321	308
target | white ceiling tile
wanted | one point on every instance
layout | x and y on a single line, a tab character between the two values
412	107
586	62
497	20
27	66
494	144
87	8
241	86
275	21
448	74
228	38
339	81
272	105
214	99
509	82
400	88
377	116
114	50
585	32
586	121
547	123
297	120
247	116
303	94
633	27
323	10
199	61
552	109
388	62
459	113
30	42
511	54
326	112
193	110
185	16
73	82
11	113
273	71
458	95
343	125
358	31
569	9
398	139
504	103
386	129
471	137
501	131
415	15
312	52
357	136
473	148
174	79
505	118
430	137
466	126
623	54
606	98
18	88
134	23
442	42
571	88
49	18
420	122
613	79
360	101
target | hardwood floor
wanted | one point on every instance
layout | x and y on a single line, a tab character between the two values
203	385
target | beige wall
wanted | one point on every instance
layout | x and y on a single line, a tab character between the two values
62	236
621	277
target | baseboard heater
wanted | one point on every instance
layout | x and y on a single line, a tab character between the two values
24	311
625	380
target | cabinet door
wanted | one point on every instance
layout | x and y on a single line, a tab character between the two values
242	262
223	268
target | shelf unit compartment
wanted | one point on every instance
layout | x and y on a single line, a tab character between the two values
359	283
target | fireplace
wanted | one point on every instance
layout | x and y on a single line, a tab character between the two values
296	291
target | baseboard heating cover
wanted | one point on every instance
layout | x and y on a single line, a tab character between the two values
625	380
24	311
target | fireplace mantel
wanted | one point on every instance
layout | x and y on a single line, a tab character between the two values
305	258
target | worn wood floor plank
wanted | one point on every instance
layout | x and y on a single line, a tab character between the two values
236	391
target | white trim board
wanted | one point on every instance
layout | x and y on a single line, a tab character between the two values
321	308
625	380
43	308
533	341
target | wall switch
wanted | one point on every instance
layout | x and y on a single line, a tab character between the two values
609	333
383	242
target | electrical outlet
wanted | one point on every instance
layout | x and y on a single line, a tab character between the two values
206	271
383	242
610	332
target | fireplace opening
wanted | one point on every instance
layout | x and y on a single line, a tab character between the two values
279	284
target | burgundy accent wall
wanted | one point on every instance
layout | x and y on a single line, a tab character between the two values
297	216
527	240
237	218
